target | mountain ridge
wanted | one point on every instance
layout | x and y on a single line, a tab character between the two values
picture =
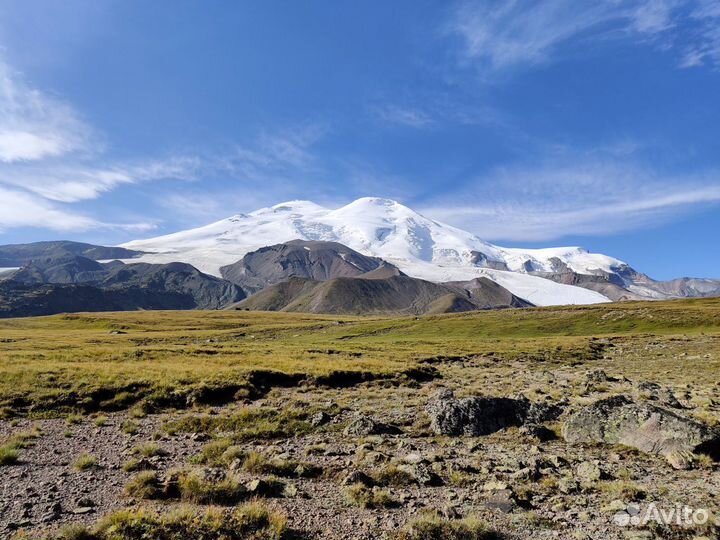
420	247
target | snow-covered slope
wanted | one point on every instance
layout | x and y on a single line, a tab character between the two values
419	246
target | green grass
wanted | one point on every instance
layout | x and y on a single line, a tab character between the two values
8	456
85	462
248	522
366	497
257	463
195	489
433	527
144	485
149	449
72	363
249	423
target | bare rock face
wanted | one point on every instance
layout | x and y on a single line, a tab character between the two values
484	415
647	427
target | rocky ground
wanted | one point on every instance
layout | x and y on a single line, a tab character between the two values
366	460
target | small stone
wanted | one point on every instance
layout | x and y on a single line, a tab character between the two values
364	425
502	501
615	506
83	510
421	473
588	472
567	485
414	458
290	491
357	477
319	419
85	502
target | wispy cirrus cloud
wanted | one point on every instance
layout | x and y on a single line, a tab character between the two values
35	125
76	182
49	157
404	116
498	35
575	197
23	209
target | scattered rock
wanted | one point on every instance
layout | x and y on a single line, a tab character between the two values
265	488
651	429
502	501
364	425
319	419
588	472
538	432
357	477
484	415
421	473
656	392
83	510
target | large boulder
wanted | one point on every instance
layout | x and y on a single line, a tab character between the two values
647	427
483	415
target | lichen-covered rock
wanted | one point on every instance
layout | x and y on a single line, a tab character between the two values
484	415
364	425
420	473
649	428
655	392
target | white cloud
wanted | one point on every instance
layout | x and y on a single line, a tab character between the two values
582	198
34	125
47	157
511	33
274	153
22	209
411	117
706	48
78	182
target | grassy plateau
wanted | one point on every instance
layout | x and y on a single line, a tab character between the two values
113	361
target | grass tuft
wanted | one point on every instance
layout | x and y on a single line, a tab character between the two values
85	462
366	497
8	455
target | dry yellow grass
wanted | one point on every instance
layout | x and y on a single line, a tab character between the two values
112	360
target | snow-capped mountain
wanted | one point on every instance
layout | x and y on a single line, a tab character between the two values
419	246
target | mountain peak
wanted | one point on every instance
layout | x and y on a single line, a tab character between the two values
384	228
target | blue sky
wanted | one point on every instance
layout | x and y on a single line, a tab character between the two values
570	122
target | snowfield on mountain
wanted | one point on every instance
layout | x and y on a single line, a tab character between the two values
419	246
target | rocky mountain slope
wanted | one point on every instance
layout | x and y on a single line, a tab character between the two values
16	255
420	247
396	295
305	259
68	282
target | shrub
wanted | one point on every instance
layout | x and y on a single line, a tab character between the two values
622	489
24	439
75	532
136	465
